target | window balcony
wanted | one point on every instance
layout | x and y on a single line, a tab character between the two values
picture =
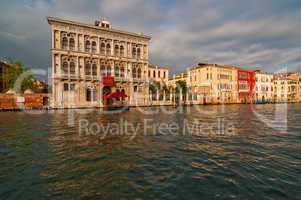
88	77
66	76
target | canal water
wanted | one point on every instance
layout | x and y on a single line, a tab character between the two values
203	152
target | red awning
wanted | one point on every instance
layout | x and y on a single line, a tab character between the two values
116	95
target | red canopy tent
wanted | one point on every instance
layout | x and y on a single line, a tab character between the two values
115	104
116	95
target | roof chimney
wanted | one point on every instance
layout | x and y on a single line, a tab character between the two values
102	23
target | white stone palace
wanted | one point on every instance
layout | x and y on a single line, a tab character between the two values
90	61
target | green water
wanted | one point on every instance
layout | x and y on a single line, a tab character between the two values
47	156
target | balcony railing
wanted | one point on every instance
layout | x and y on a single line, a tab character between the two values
95	77
66	76
88	77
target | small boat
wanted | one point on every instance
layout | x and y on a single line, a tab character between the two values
116	101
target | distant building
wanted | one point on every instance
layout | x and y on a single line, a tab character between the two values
213	83
172	81
263	87
158	74
4	70
286	87
246	84
175	89
40	86
90	62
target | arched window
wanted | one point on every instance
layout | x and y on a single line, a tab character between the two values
94	47
102	49
134	73
94	69
121	51
87	69
116	50
71	44
122	72
159	74
134	52
72	68
103	70
65	68
64	43
139	73
117	71
138	53
108	49
109	70
87	46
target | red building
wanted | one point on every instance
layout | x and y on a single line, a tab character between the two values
246	84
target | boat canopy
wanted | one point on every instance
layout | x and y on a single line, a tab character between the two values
116	95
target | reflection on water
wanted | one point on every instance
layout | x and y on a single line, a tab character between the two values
43	157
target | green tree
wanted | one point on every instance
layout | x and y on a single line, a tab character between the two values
181	86
15	70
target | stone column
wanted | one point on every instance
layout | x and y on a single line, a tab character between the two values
100	94
76	42
187	97
53	38
112	48
113	69
59	70
181	97
98	69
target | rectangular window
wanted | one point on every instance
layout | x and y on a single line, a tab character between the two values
243	75
72	87
88	95
94	95
243	86
66	87
135	88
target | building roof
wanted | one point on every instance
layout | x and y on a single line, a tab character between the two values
64	21
287	76
202	65
157	66
179	76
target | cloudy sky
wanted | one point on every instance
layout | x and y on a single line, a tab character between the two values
253	34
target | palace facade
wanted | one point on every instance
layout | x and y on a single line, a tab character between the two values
264	90
92	61
287	87
213	83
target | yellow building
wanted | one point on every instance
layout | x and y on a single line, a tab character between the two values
158	74
172	82
158	80
213	83
286	87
